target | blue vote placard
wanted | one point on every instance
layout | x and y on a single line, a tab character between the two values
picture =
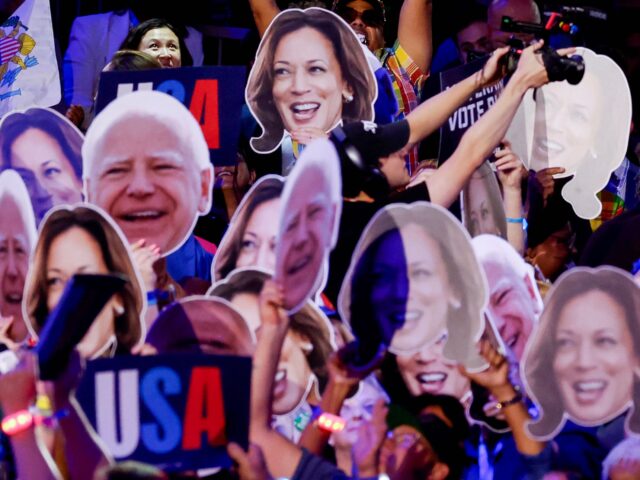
175	411
214	95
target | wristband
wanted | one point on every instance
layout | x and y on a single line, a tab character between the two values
330	423
51	421
22	420
43	407
154	296
520	220
17	422
517	398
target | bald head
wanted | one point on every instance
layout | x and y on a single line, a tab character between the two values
519	10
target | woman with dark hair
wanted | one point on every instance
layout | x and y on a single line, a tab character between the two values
161	40
250	240
315	87
583	360
44	148
82	240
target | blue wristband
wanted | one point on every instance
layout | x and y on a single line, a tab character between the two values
520	220
156	295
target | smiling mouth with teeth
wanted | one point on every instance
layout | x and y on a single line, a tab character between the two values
548	146
304	110
299	265
589	386
13	297
142	216
589	392
431	379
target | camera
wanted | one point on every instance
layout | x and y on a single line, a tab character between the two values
558	67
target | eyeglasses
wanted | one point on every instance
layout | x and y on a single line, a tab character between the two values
371	18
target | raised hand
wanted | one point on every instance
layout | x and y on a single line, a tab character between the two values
511	171
545	183
492	71
271	309
144	256
494	378
251	465
306	135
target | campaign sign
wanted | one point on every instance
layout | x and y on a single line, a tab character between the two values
214	95
469	112
176	411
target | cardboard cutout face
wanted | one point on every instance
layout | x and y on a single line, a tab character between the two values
17	239
589	338
568	126
412	278
309	220
291	88
306	348
429	371
482	208
146	163
514	299
250	239
83	239
200	324
44	148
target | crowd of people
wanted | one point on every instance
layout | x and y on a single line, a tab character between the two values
469	317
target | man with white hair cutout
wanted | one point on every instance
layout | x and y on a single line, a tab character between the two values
146	163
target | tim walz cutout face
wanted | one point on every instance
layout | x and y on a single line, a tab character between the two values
307	228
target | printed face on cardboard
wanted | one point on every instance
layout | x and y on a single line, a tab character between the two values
44	148
83	240
147	164
414	277
251	237
200	324
309	221
17	239
563	125
514	300
428	371
588	338
308	89
482	208
308	343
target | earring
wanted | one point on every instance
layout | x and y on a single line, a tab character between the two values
306	347
455	303
347	97
118	309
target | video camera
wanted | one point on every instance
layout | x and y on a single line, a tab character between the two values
558	67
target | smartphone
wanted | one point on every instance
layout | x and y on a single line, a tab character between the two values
84	297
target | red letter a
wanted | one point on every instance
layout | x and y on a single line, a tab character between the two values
204	107
205	410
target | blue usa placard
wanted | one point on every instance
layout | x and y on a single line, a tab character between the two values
175	411
214	95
